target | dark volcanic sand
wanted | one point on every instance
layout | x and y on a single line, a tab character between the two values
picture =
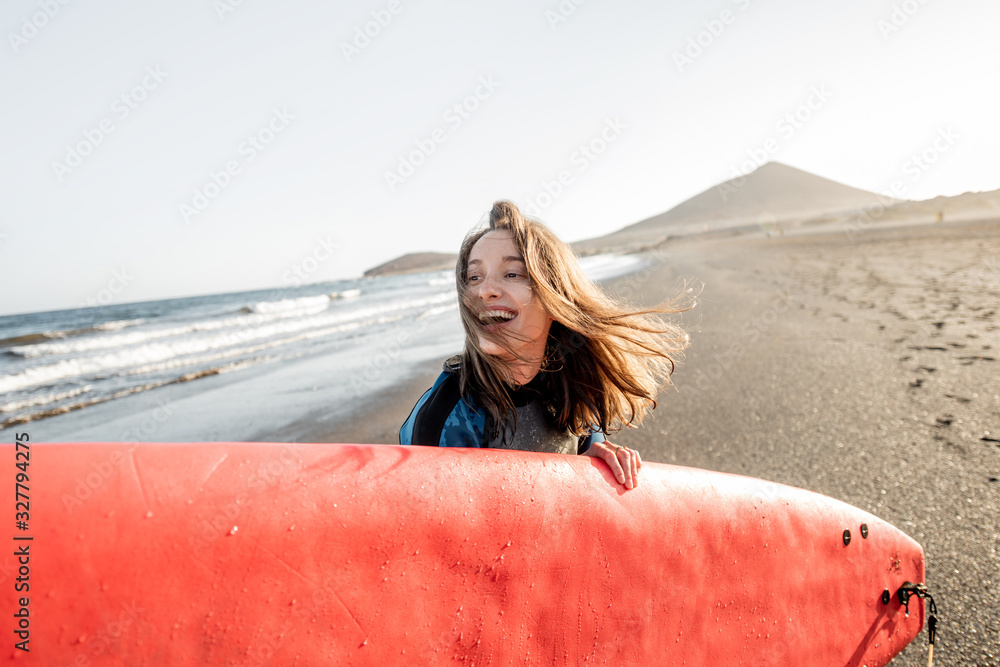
867	370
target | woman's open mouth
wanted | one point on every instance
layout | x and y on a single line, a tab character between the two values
496	318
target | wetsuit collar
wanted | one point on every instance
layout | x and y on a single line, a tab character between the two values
526	393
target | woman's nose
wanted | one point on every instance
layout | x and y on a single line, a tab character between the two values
488	288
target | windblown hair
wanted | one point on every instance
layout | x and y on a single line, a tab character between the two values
605	362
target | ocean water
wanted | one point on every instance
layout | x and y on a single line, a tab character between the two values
229	366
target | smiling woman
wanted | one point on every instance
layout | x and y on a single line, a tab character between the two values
551	363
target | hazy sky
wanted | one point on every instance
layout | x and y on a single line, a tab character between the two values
163	149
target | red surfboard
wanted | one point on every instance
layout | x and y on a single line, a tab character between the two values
308	554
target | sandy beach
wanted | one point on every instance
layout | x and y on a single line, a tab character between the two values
863	367
849	351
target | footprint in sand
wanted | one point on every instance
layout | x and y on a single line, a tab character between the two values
946	420
967	361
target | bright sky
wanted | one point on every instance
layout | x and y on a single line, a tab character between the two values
162	149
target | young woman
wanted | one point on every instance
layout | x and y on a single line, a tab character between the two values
550	362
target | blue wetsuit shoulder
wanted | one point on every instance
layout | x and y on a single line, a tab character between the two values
442	417
406	431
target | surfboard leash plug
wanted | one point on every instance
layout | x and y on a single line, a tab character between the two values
908	590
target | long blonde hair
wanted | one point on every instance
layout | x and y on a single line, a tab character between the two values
605	362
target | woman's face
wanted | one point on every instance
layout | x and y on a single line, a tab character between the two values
498	279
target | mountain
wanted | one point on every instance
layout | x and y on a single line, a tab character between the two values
773	193
774	196
414	262
966	206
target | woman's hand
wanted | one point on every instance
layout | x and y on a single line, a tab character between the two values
624	462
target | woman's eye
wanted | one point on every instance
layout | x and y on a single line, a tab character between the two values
473	279
513	275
